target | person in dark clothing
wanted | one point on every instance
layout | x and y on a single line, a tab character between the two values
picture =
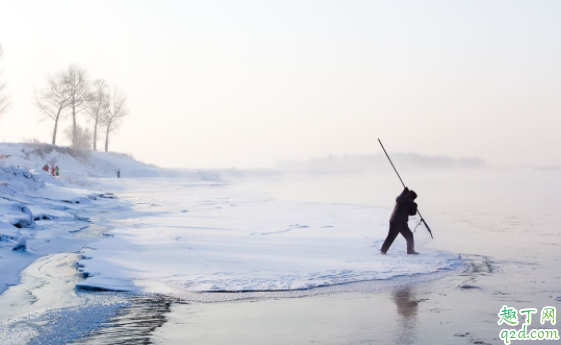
405	206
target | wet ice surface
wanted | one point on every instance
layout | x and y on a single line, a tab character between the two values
45	307
132	324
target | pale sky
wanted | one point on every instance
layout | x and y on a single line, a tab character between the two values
247	83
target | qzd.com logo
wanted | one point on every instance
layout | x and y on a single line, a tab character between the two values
509	316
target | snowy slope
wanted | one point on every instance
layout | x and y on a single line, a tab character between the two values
47	214
78	167
73	165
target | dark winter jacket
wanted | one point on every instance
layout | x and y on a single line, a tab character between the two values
404	207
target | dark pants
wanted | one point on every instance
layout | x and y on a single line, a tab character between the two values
395	229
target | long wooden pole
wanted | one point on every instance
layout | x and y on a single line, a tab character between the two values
394	169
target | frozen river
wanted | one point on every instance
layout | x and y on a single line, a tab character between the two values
294	259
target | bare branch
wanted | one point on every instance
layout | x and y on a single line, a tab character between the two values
99	97
4	99
76	81
53	99
114	112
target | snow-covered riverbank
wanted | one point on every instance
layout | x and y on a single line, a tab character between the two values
45	222
43	214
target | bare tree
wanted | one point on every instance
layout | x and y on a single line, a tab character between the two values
98	102
53	99
4	99
76	80
113	113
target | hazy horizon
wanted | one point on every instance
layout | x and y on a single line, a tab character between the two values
246	84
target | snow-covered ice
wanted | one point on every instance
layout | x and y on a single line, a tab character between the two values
197	236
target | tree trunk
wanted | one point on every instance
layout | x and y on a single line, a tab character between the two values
56	125
95	134
74	123
107	139
95	126
54	133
